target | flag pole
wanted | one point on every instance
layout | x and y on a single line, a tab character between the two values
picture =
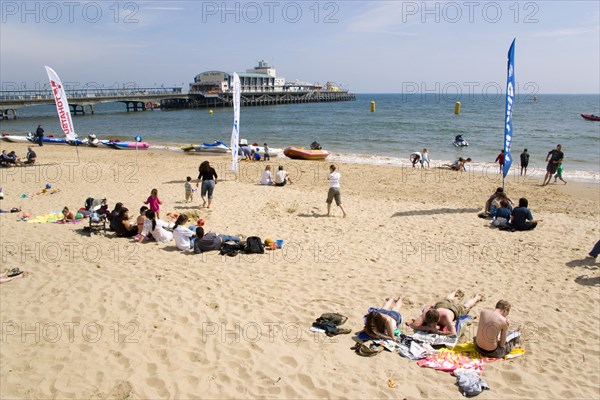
510	96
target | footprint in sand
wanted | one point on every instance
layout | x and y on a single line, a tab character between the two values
289	361
159	385
306	381
122	390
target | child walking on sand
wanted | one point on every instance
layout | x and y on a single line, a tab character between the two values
559	172
189	192
154	202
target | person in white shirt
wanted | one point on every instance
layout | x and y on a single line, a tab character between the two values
184	237
334	190
266	179
425	158
282	177
156	227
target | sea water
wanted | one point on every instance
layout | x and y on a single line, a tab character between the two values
401	124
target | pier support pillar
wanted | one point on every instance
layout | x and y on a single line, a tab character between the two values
77	109
6	113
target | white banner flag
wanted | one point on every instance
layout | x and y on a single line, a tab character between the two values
235	133
62	105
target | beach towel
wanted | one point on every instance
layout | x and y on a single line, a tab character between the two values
52	217
462	356
444	340
75	221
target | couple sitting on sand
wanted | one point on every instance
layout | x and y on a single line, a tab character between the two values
500	207
441	319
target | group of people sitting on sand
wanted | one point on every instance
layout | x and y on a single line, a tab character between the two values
11	159
148	226
441	318
499	207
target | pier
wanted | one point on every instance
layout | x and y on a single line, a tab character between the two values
253	99
84	100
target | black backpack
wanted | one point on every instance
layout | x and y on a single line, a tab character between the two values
254	245
88	203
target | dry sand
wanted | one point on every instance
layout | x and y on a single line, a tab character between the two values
103	317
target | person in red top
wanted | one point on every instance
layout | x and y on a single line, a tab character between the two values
500	160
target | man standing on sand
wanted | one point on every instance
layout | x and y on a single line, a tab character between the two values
334	190
492	331
556	157
524	162
39	135
442	317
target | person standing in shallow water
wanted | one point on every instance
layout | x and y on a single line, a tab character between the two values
524	162
334	190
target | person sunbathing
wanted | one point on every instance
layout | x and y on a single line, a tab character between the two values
382	323
492	331
442	317
67	215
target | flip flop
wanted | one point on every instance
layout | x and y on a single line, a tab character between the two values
14	272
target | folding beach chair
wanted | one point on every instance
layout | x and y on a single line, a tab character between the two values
97	223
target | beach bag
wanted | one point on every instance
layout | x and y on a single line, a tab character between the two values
230	249
375	325
254	245
88	203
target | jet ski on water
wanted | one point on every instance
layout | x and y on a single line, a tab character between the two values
459	141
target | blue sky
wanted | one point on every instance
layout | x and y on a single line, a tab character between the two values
367	47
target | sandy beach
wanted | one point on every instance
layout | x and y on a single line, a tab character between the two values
104	317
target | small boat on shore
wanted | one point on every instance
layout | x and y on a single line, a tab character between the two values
591	117
300	153
16	138
125	145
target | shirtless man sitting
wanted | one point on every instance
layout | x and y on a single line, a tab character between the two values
442	317
491	333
